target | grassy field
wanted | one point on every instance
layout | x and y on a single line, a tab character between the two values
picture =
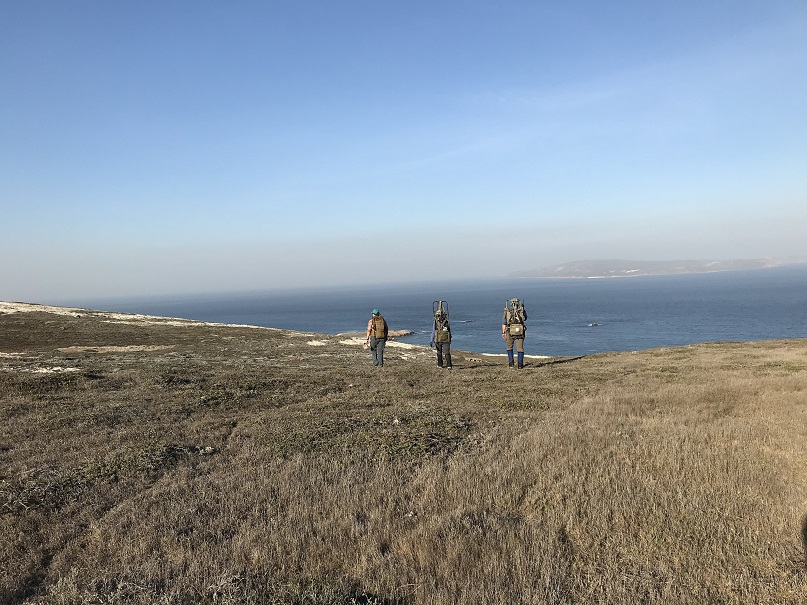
151	461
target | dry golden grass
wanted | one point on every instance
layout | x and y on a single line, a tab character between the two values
169	463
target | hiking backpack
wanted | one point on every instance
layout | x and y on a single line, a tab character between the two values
514	317
442	331
378	326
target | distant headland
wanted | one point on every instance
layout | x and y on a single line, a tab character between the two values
631	268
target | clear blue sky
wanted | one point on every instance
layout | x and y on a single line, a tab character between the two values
177	147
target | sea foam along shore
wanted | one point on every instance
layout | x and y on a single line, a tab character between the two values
111	317
355	339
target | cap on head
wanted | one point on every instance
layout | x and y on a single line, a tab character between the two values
375	311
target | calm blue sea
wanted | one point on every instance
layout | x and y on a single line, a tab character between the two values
630	313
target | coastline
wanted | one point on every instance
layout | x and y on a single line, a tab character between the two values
344	338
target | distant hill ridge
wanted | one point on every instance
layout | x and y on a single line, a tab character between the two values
631	268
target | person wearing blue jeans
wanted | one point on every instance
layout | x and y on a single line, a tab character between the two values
377	331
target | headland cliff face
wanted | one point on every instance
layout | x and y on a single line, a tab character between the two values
631	268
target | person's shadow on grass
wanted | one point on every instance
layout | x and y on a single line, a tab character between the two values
804	537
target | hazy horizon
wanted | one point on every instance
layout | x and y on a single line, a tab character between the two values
161	149
437	287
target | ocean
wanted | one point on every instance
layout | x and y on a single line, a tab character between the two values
567	317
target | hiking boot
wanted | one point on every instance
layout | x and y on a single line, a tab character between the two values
521	366
510	364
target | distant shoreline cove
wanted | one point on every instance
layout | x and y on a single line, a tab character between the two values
621	276
629	274
353	338
596	270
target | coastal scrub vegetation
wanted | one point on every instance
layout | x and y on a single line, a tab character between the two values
151	461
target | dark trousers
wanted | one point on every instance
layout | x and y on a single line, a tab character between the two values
377	349
443	350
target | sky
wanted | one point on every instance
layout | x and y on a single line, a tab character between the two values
151	148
